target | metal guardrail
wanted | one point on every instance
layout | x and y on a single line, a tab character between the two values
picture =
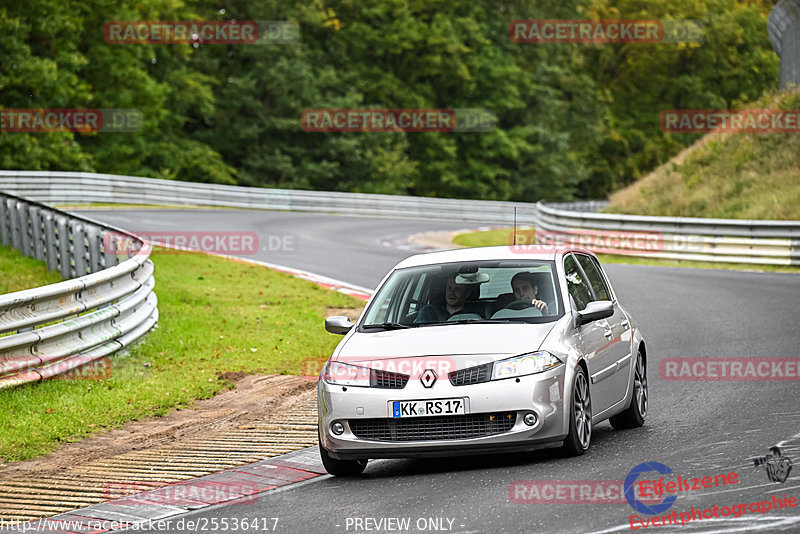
715	240
677	238
104	306
79	187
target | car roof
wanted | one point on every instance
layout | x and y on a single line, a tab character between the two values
505	252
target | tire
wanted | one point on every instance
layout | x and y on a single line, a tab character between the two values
634	415
580	417
341	468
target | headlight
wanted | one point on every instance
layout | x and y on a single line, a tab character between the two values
343	374
527	364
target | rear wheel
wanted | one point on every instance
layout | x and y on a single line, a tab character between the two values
634	415
580	418
341	468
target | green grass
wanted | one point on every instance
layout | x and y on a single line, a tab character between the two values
490	238
216	316
734	176
18	272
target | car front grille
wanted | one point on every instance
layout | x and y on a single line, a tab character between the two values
472	375
433	428
387	379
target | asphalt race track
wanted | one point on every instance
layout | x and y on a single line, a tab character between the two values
345	248
696	428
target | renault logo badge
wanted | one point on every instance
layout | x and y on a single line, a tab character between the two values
428	378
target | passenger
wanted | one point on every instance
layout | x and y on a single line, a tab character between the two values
455	298
525	288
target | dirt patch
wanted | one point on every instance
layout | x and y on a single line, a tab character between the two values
437	240
255	398
232	376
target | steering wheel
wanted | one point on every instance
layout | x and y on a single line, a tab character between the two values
519	305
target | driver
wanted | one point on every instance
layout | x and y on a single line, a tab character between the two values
524	286
455	298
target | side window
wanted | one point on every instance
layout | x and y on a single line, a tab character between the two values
576	285
595	278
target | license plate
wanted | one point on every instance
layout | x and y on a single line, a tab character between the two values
425	408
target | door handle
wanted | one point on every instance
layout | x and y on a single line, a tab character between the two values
625	322
608	333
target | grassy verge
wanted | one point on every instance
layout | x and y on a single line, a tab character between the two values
18	272
502	236
488	238
216	316
730	176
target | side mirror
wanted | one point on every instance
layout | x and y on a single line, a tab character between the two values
594	311
338	324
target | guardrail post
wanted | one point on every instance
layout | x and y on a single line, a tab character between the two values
64	255
26	229
5	231
36	232
51	242
95	259
16	234
109	248
79	248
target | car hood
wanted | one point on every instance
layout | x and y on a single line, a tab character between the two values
479	343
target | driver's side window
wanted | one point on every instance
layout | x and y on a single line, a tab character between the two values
595	278
576	285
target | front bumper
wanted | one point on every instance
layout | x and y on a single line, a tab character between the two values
541	393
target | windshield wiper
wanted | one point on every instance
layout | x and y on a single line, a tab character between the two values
386	326
476	321
490	321
485	321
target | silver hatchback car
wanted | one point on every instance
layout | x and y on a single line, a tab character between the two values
481	350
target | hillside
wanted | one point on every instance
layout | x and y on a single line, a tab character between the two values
730	175
529	122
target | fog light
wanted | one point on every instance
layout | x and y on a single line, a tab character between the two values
529	419
337	428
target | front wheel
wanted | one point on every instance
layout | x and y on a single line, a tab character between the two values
580	418
634	415
341	468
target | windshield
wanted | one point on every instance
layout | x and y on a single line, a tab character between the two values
459	293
